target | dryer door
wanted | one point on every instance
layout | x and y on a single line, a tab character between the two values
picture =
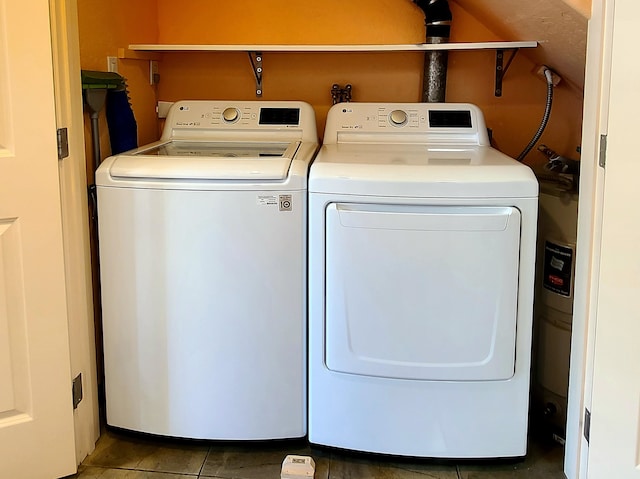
421	292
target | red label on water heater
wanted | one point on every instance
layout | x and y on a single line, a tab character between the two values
558	266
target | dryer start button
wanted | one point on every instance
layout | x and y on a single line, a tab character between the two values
398	117
230	115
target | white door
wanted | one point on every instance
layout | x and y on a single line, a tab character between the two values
614	450
36	415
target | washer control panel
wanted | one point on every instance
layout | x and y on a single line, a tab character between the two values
205	114
195	115
257	120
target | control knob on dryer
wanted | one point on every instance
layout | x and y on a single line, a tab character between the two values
398	117
230	114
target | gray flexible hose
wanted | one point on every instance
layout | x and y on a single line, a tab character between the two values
545	118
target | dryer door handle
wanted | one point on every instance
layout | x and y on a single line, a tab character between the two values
425	218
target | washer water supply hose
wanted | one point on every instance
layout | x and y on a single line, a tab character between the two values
547	113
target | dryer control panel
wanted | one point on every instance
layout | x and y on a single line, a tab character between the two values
459	123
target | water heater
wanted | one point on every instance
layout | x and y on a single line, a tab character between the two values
553	313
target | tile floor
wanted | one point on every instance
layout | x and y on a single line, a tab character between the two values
121	455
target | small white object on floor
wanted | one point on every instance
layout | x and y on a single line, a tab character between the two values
297	467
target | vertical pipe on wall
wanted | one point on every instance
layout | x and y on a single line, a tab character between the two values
438	28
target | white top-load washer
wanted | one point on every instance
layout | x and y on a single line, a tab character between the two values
421	277
203	270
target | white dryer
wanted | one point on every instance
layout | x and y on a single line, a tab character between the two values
203	270
421	278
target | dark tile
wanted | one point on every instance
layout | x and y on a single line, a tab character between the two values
356	466
183	460
88	472
258	460
544	460
133	456
120	450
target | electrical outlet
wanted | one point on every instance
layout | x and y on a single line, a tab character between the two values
112	64
154	73
555	78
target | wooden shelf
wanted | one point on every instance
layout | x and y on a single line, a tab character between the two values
151	51
418	47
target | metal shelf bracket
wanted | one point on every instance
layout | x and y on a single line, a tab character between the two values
256	64
502	67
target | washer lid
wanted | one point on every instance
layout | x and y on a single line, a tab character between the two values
419	170
206	160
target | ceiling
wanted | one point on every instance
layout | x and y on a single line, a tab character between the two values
559	26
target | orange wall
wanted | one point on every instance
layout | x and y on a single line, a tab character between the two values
514	117
288	76
105	26
289	21
292	76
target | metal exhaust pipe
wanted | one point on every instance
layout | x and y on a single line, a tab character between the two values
438	28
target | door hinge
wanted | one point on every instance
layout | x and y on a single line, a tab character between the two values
602	159
76	390
587	424
63	143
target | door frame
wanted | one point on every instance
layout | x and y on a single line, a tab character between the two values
595	114
75	220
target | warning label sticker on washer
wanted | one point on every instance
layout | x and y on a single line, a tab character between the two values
264	200
285	202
